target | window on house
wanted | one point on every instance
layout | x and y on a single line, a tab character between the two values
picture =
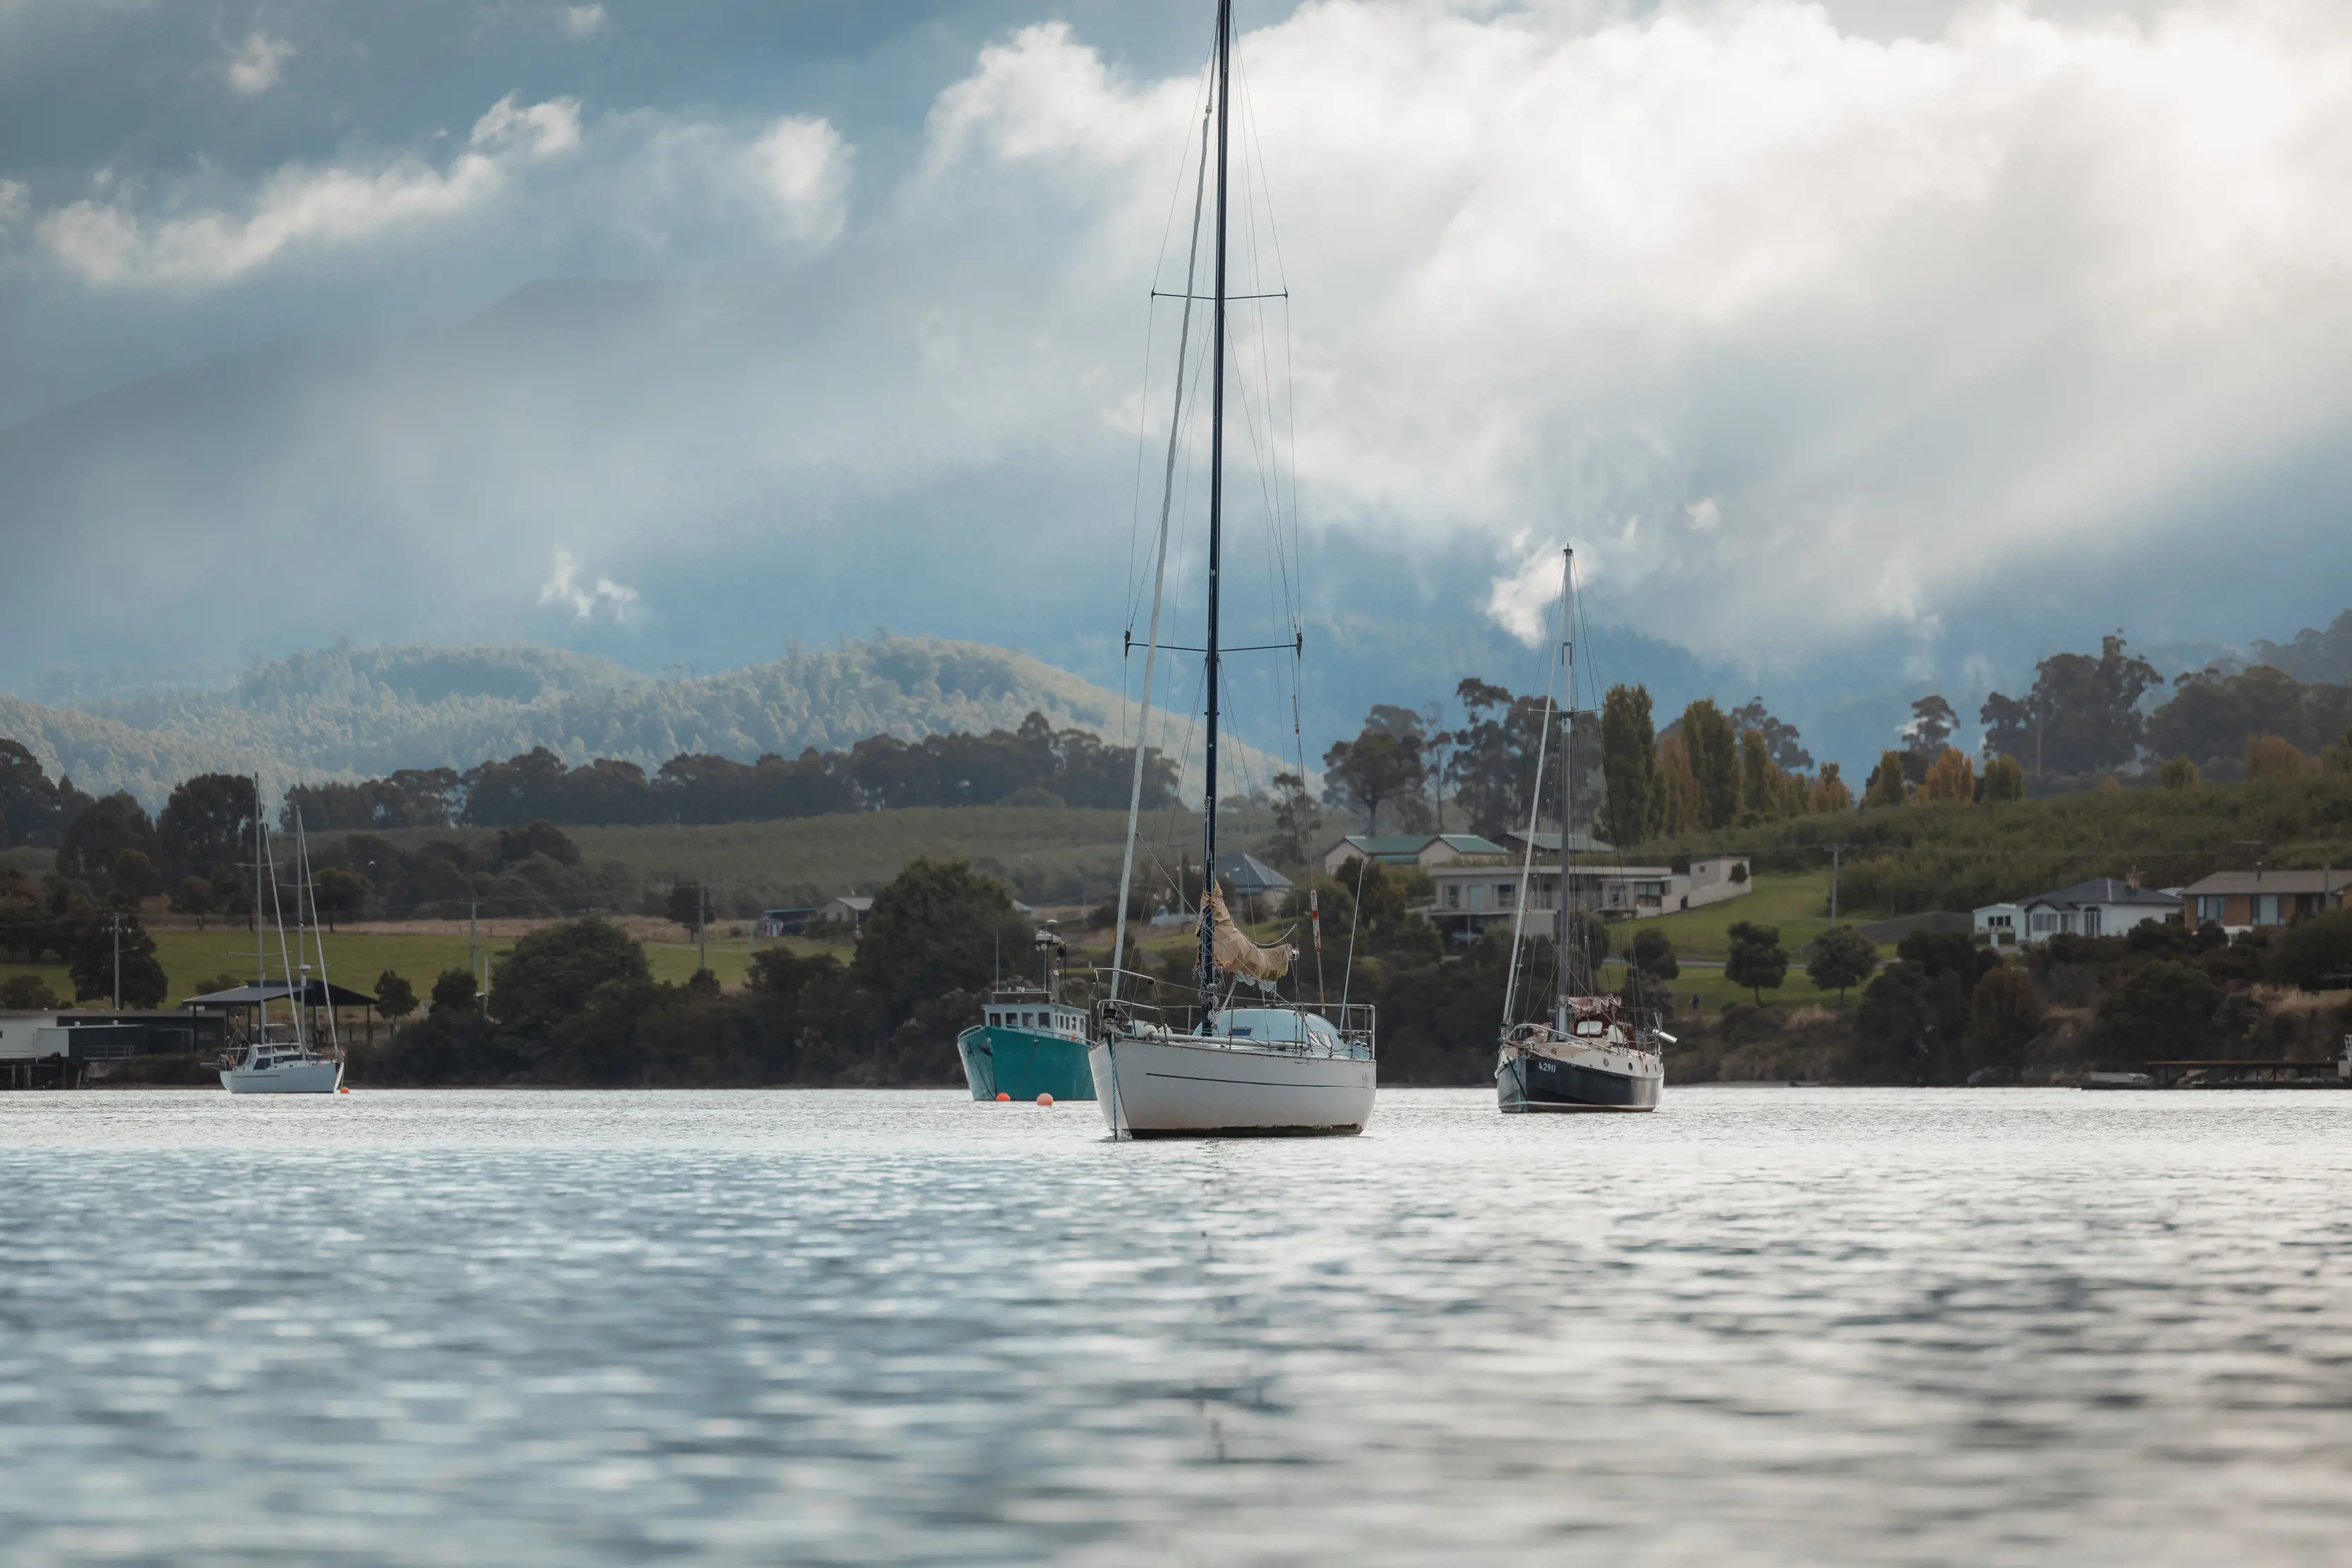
2266	909
1504	892
2042	920
2209	907
1452	896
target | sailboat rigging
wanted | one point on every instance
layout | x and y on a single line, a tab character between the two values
1269	1065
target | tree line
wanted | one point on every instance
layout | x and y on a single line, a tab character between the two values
2086	720
1033	765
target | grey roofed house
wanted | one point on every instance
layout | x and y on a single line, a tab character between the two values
1248	876
2101	907
850	908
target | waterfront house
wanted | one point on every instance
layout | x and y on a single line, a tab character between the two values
2101	907
1402	851
1474	895
788	922
2241	901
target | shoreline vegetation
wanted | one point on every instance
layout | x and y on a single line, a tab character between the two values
596	932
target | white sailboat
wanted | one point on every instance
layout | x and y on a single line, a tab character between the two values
285	1058
1591	1051
1222	1062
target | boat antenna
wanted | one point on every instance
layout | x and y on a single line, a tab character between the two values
1159	570
1528	850
1216	507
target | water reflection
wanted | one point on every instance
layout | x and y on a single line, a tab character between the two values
1758	1326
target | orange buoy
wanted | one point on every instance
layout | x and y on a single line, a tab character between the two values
1045	1099
1001	1095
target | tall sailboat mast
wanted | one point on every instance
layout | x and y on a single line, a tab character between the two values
1216	505
1564	977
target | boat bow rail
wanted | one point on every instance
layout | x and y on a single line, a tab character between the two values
1346	1029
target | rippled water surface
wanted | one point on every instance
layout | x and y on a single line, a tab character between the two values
1760	1326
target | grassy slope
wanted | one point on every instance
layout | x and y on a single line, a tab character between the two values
1951	856
355	960
1799	906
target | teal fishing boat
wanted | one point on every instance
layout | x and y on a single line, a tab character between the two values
1025	1045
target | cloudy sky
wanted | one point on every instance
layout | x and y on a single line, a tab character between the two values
1862	349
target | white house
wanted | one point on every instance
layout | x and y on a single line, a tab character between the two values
1475	894
2103	906
849	909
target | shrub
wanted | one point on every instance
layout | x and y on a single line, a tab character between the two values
1755	959
27	993
558	970
395	998
454	991
1843	957
2004	779
2272	756
2004	1015
2177	774
2163	1009
1951	777
2314	951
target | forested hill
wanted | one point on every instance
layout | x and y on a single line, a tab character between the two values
348	713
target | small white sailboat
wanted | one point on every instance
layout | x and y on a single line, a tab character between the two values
1591	1051
285	1058
1223	1062
282	1066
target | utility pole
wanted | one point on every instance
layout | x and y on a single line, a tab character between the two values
701	927
474	950
116	922
1835	851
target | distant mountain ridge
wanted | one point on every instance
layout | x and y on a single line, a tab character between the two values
344	713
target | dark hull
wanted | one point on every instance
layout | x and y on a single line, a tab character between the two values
1540	1083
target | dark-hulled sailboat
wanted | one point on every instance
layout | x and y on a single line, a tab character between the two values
1590	1050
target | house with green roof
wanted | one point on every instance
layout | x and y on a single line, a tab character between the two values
1402	850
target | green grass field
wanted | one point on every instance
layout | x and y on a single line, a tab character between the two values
355	958
1049	855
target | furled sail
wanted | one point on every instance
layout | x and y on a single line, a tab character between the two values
1236	954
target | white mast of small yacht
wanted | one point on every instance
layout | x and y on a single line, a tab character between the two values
1535	807
285	959
1159	574
1563	973
310	887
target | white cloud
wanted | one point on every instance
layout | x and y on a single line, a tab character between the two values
254	67
15	202
108	243
1800	332
801	167
644	173
582	21
565	588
